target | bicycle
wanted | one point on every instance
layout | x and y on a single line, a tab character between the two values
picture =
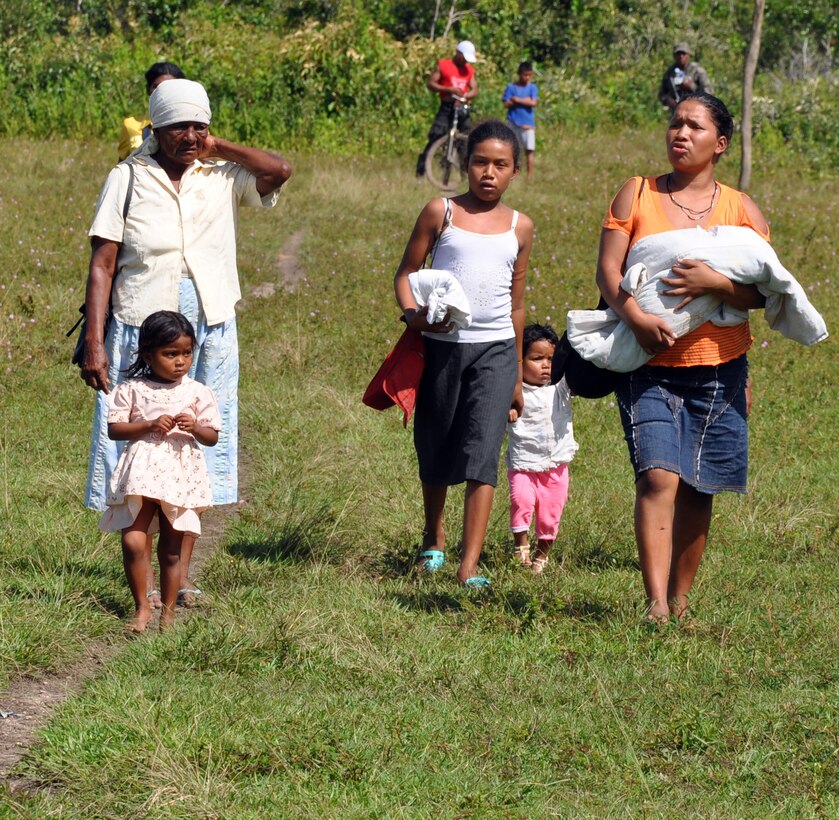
445	163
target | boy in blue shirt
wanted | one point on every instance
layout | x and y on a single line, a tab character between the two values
520	99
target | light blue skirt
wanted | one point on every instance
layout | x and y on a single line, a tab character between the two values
215	364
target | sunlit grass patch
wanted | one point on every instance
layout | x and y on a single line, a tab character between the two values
321	675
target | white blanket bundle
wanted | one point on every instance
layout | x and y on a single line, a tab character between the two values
443	294
738	253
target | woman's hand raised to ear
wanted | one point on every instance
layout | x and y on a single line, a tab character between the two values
270	169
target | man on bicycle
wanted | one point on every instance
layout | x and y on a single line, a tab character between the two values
454	81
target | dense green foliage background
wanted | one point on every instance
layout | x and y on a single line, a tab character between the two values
332	73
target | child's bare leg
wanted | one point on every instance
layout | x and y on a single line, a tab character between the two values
187	545
134	561
476	508
169	556
151	591
540	557
655	498
186	588
522	544
691	523
530	155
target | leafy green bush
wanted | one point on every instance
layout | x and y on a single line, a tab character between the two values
343	75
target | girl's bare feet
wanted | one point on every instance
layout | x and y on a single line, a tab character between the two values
138	623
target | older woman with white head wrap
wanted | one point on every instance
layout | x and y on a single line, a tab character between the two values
164	238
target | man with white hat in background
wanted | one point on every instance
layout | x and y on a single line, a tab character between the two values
682	78
454	81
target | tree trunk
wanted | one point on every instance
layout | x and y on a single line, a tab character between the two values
434	21
748	85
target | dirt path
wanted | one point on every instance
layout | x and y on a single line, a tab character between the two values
289	268
26	706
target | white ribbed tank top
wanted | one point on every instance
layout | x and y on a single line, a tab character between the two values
483	264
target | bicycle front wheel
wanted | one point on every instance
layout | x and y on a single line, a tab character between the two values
445	166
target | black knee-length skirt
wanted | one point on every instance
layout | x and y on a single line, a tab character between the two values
461	411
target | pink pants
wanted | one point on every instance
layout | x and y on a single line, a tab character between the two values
544	493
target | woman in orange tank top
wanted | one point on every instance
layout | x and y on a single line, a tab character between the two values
684	413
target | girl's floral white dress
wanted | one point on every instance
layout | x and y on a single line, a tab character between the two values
167	467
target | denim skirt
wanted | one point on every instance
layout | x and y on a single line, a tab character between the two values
690	421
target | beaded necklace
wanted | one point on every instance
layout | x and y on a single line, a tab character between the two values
691	213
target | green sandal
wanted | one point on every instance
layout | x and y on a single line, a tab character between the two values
431	560
478	582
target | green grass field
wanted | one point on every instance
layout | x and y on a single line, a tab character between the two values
322	678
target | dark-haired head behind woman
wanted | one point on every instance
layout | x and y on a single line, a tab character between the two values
160	72
136	129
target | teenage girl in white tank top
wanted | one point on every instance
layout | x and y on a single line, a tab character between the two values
463	403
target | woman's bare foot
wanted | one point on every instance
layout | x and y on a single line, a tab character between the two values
679	607
167	621
465	572
434	540
657	613
138	623
153	596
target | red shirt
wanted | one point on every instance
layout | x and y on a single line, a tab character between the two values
454	77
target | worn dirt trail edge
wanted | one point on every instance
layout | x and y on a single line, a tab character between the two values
31	700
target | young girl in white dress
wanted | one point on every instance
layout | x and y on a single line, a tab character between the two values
161	479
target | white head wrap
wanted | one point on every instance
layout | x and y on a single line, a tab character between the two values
179	101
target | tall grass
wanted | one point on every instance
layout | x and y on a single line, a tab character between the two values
323	678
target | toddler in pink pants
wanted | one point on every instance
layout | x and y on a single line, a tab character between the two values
540	444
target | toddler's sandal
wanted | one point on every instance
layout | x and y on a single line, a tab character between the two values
539	564
522	554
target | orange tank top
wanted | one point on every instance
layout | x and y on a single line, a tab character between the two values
708	344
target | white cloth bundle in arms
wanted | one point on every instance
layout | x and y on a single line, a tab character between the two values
736	252
443	294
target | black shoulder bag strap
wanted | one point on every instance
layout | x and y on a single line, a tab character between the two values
125	206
